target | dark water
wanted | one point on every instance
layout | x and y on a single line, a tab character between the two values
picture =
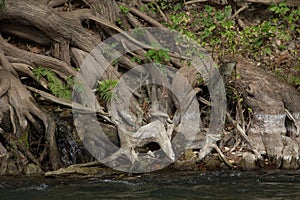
177	185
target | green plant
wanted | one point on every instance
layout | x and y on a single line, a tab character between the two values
295	80
280	9
216	28
178	6
136	59
2	4
118	21
159	56
105	89
24	140
56	86
149	7
178	20
124	9
286	18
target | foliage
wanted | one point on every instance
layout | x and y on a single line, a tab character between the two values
287	17
162	5
295	80
214	27
158	56
24	140
124	9
105	89
2	4
56	86
136	59
280	9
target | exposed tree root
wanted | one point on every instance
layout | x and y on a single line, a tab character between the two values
143	114
12	93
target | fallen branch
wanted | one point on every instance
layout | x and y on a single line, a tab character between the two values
239	11
145	17
194	1
223	157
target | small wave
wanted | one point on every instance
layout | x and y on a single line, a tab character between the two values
40	187
125	182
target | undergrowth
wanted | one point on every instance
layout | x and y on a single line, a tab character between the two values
216	29
59	88
105	89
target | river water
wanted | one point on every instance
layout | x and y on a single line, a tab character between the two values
171	185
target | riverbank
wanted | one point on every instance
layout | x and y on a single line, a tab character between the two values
256	48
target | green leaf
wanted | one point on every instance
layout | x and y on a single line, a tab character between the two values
2	4
55	85
158	56
209	9
220	15
124	9
228	11
105	89
250	110
213	27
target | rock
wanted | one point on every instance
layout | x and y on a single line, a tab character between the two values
3	164
248	161
213	162
31	169
185	165
274	147
3	151
290	155
189	154
12	169
259	145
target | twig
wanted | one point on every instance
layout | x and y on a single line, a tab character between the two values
291	117
239	128
221	155
241	23
243	134
237	143
235	15
241	9
206	102
194	1
145	17
162	13
68	103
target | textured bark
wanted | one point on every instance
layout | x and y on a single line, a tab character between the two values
150	114
105	8
12	92
51	23
275	124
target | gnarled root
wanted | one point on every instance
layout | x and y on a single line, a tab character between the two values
23	112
